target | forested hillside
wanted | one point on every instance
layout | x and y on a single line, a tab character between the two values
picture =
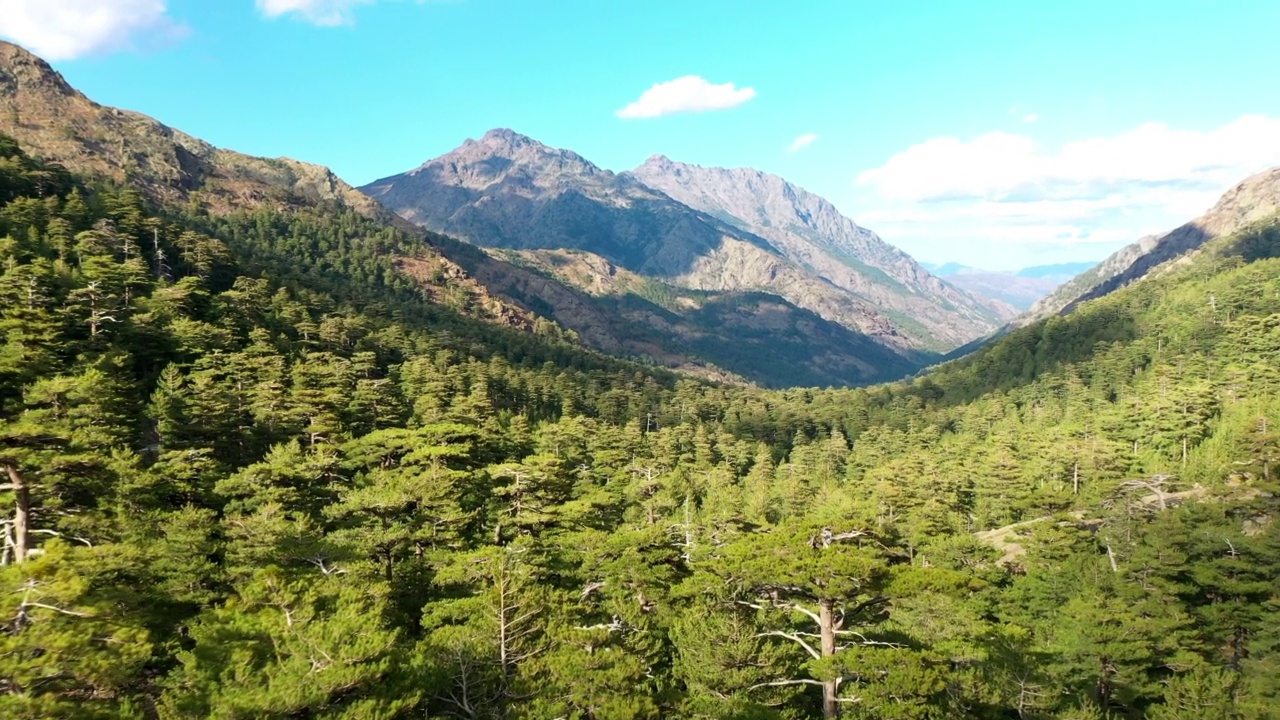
1254	198
253	472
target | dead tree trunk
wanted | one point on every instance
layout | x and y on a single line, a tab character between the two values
830	688
21	513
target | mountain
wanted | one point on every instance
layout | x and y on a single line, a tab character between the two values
1020	289
1060	272
506	191
1216	288
58	123
752	337
1017	292
1256	197
811	232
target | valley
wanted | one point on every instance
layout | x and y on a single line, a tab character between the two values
511	435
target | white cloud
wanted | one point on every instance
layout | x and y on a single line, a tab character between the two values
68	29
320	12
994	199
687	94
803	142
999	166
1030	118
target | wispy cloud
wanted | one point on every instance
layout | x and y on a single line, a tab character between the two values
690	93
1030	118
1004	167
803	142
68	29
320	12
1007	189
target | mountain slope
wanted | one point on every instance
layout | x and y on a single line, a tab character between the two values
1254	198
756	336
509	191
56	122
53	120
723	336
812	232
1222	290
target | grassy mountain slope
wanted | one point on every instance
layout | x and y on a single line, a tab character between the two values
1191	303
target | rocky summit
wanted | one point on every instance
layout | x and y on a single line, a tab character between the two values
508	191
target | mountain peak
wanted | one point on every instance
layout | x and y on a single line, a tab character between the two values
506	137
504	155
22	71
509	144
658	161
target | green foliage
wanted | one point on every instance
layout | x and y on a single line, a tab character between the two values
251	470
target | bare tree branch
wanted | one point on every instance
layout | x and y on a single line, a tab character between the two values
780	683
794	638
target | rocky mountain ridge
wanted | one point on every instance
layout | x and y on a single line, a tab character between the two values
48	116
811	231
508	191
1254	198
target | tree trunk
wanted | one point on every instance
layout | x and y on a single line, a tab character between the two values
827	621
1075	479
21	514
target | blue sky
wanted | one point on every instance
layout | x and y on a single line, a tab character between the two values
998	134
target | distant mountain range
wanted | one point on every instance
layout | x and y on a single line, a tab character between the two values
1020	289
1060	272
685	238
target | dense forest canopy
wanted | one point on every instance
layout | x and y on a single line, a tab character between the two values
251	471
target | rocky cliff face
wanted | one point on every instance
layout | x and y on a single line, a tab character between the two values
809	230
1254	198
508	191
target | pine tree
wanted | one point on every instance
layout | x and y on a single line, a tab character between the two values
313	647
